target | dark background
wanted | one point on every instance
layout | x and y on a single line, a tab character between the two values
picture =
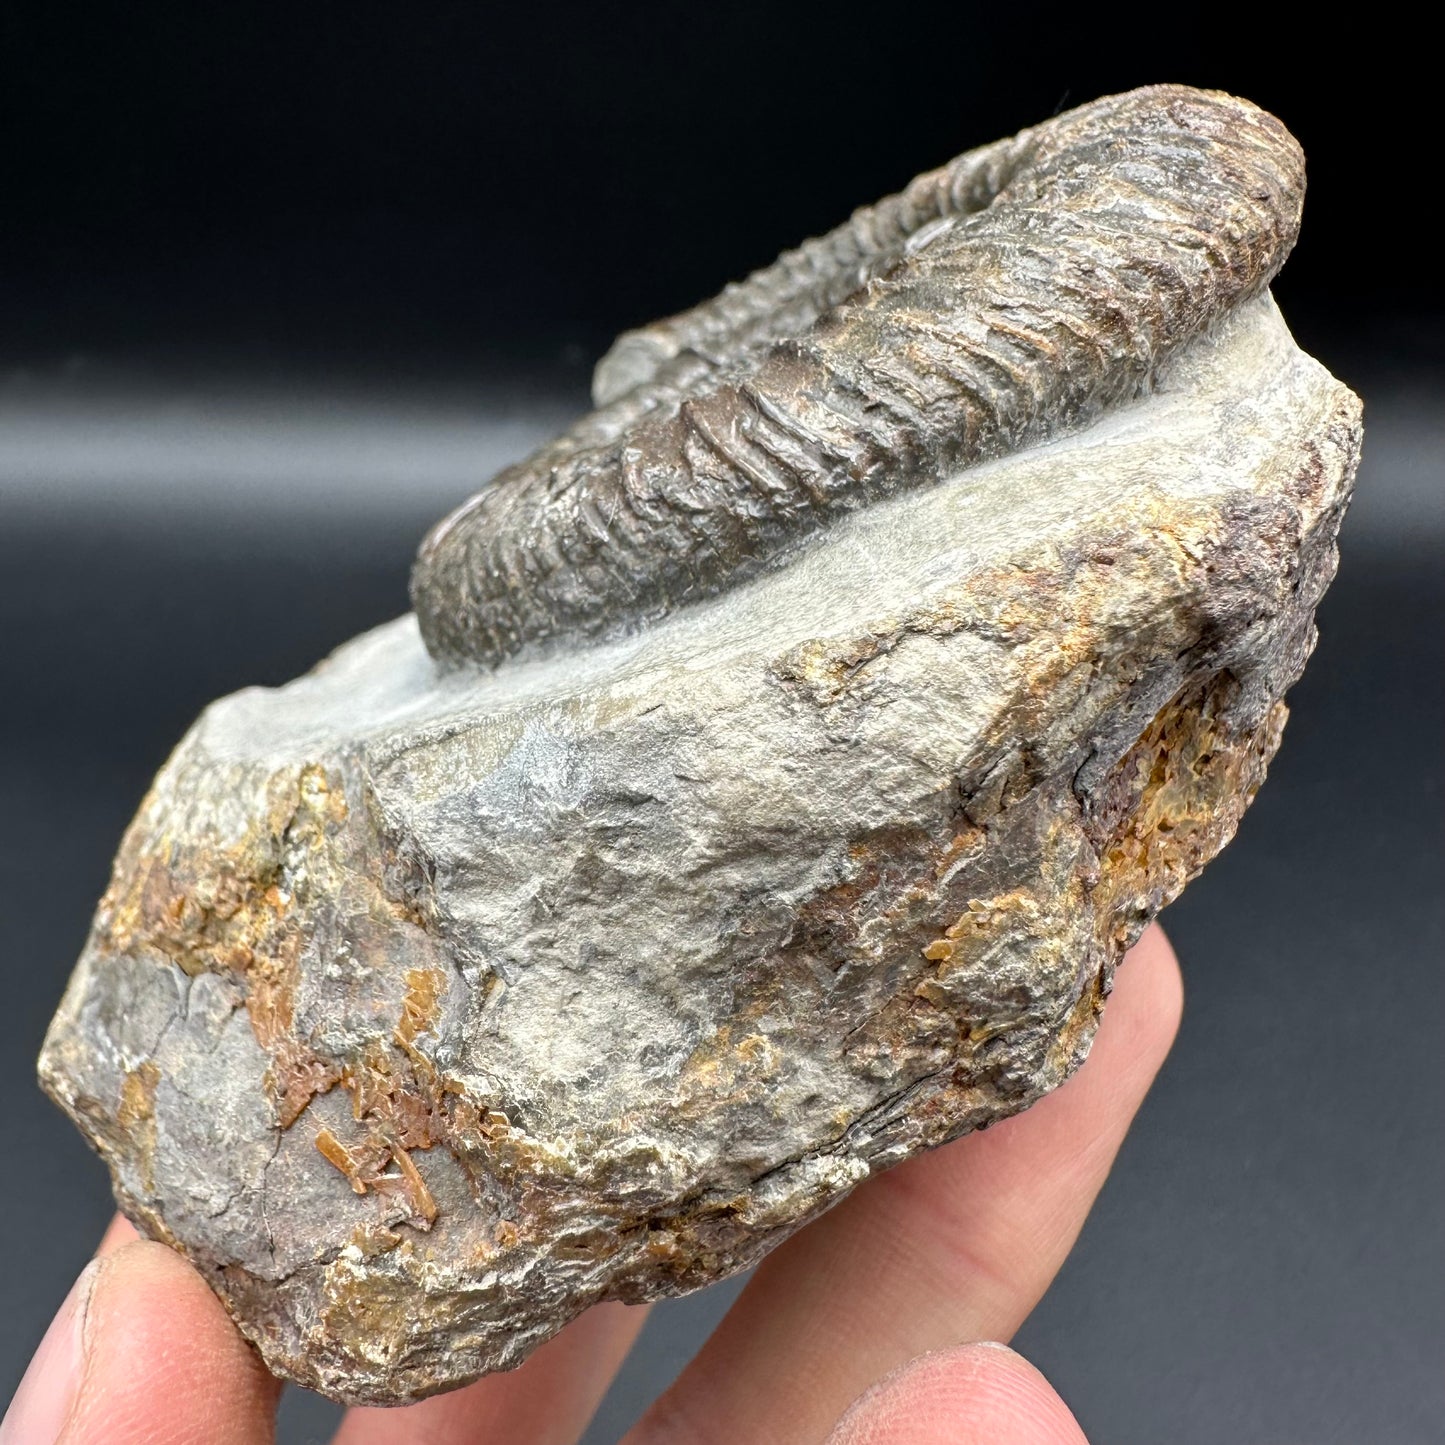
369	188
279	283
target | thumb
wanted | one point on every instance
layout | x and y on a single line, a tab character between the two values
970	1395
141	1353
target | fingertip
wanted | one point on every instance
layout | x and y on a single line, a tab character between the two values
977	1394
119	1232
162	1362
1152	969
43	1403
1141	1019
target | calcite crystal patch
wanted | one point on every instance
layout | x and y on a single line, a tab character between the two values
434	999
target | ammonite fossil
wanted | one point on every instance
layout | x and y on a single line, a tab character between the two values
1012	295
774	771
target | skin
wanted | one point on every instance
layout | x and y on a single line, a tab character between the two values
882	1323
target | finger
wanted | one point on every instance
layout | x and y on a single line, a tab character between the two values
142	1353
548	1401
955	1245
971	1395
120	1232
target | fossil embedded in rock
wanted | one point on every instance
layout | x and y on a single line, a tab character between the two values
1015	294
810	730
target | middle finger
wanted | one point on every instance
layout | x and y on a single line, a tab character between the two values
548	1401
953	1246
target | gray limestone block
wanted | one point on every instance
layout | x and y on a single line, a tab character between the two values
430	1005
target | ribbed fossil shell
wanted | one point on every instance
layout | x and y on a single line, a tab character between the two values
1014	294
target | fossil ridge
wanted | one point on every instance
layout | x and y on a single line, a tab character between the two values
1018	292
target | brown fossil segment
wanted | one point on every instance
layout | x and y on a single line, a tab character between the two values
429	1005
1015	293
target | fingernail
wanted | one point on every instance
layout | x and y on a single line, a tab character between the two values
42	1404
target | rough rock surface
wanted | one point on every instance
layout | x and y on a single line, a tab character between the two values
426	1008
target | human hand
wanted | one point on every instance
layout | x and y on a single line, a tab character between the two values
863	1329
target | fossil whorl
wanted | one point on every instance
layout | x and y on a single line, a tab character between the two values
1015	293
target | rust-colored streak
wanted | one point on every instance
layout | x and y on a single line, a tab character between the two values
297	1076
1174	800
420	1004
423	1206
138	1096
335	1152
136	1115
249	907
